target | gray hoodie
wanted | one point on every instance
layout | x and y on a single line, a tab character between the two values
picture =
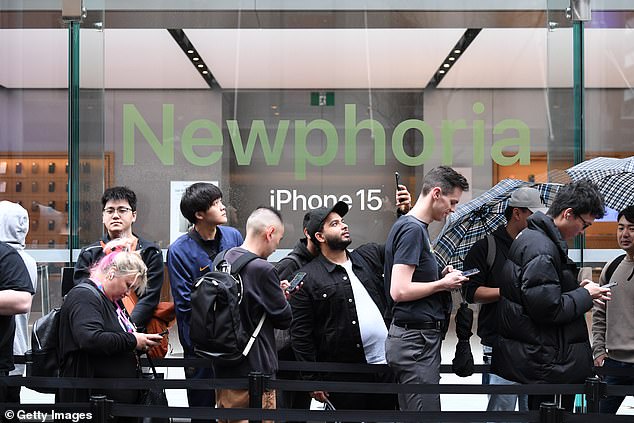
14	225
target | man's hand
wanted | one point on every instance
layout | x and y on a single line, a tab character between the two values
598	362
320	396
447	269
403	199
598	293
453	280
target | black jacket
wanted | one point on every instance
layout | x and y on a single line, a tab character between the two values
543	336
93	344
153	259
488	277
324	326
261	295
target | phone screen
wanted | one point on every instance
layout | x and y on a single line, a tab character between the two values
294	283
471	272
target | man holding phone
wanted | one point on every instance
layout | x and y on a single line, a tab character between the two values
489	255
419	290
612	344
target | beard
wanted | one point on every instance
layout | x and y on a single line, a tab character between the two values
337	243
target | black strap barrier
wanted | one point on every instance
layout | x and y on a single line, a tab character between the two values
295	385
329	367
257	383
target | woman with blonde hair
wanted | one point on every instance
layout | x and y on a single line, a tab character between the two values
97	338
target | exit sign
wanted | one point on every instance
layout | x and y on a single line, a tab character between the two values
322	98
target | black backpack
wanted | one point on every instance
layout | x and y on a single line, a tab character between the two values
216	329
43	359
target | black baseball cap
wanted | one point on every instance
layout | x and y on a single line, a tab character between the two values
314	219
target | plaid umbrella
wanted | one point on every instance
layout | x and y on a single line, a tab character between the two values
462	363
479	217
614	177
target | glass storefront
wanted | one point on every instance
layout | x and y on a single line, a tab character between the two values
296	105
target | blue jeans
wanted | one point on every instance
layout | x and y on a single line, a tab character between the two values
500	402
611	404
414	355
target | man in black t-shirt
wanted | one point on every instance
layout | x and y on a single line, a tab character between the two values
421	296
16	292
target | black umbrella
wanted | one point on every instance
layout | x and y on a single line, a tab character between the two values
462	363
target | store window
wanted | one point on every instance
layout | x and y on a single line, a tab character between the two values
295	108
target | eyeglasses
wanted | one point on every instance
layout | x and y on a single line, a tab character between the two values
586	225
121	211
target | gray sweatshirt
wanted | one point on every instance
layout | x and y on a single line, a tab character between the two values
612	323
14	225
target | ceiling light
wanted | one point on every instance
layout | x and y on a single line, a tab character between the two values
453	56
276	113
190	51
273	106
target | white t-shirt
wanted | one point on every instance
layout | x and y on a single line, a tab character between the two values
371	324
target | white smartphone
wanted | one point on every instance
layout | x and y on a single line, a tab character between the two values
471	272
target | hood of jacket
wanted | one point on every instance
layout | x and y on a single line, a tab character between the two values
14	224
545	224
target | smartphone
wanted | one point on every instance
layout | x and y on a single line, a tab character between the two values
610	285
294	283
397	176
471	272
165	332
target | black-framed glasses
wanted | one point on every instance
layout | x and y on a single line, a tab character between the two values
121	211
586	225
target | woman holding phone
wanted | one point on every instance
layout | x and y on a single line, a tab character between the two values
97	338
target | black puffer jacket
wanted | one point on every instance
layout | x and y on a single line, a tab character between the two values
543	336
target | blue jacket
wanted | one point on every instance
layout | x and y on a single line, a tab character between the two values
186	262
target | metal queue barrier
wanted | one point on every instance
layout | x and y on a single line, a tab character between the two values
100	408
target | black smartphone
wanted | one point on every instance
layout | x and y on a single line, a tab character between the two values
610	285
294	283
397	176
165	332
471	272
